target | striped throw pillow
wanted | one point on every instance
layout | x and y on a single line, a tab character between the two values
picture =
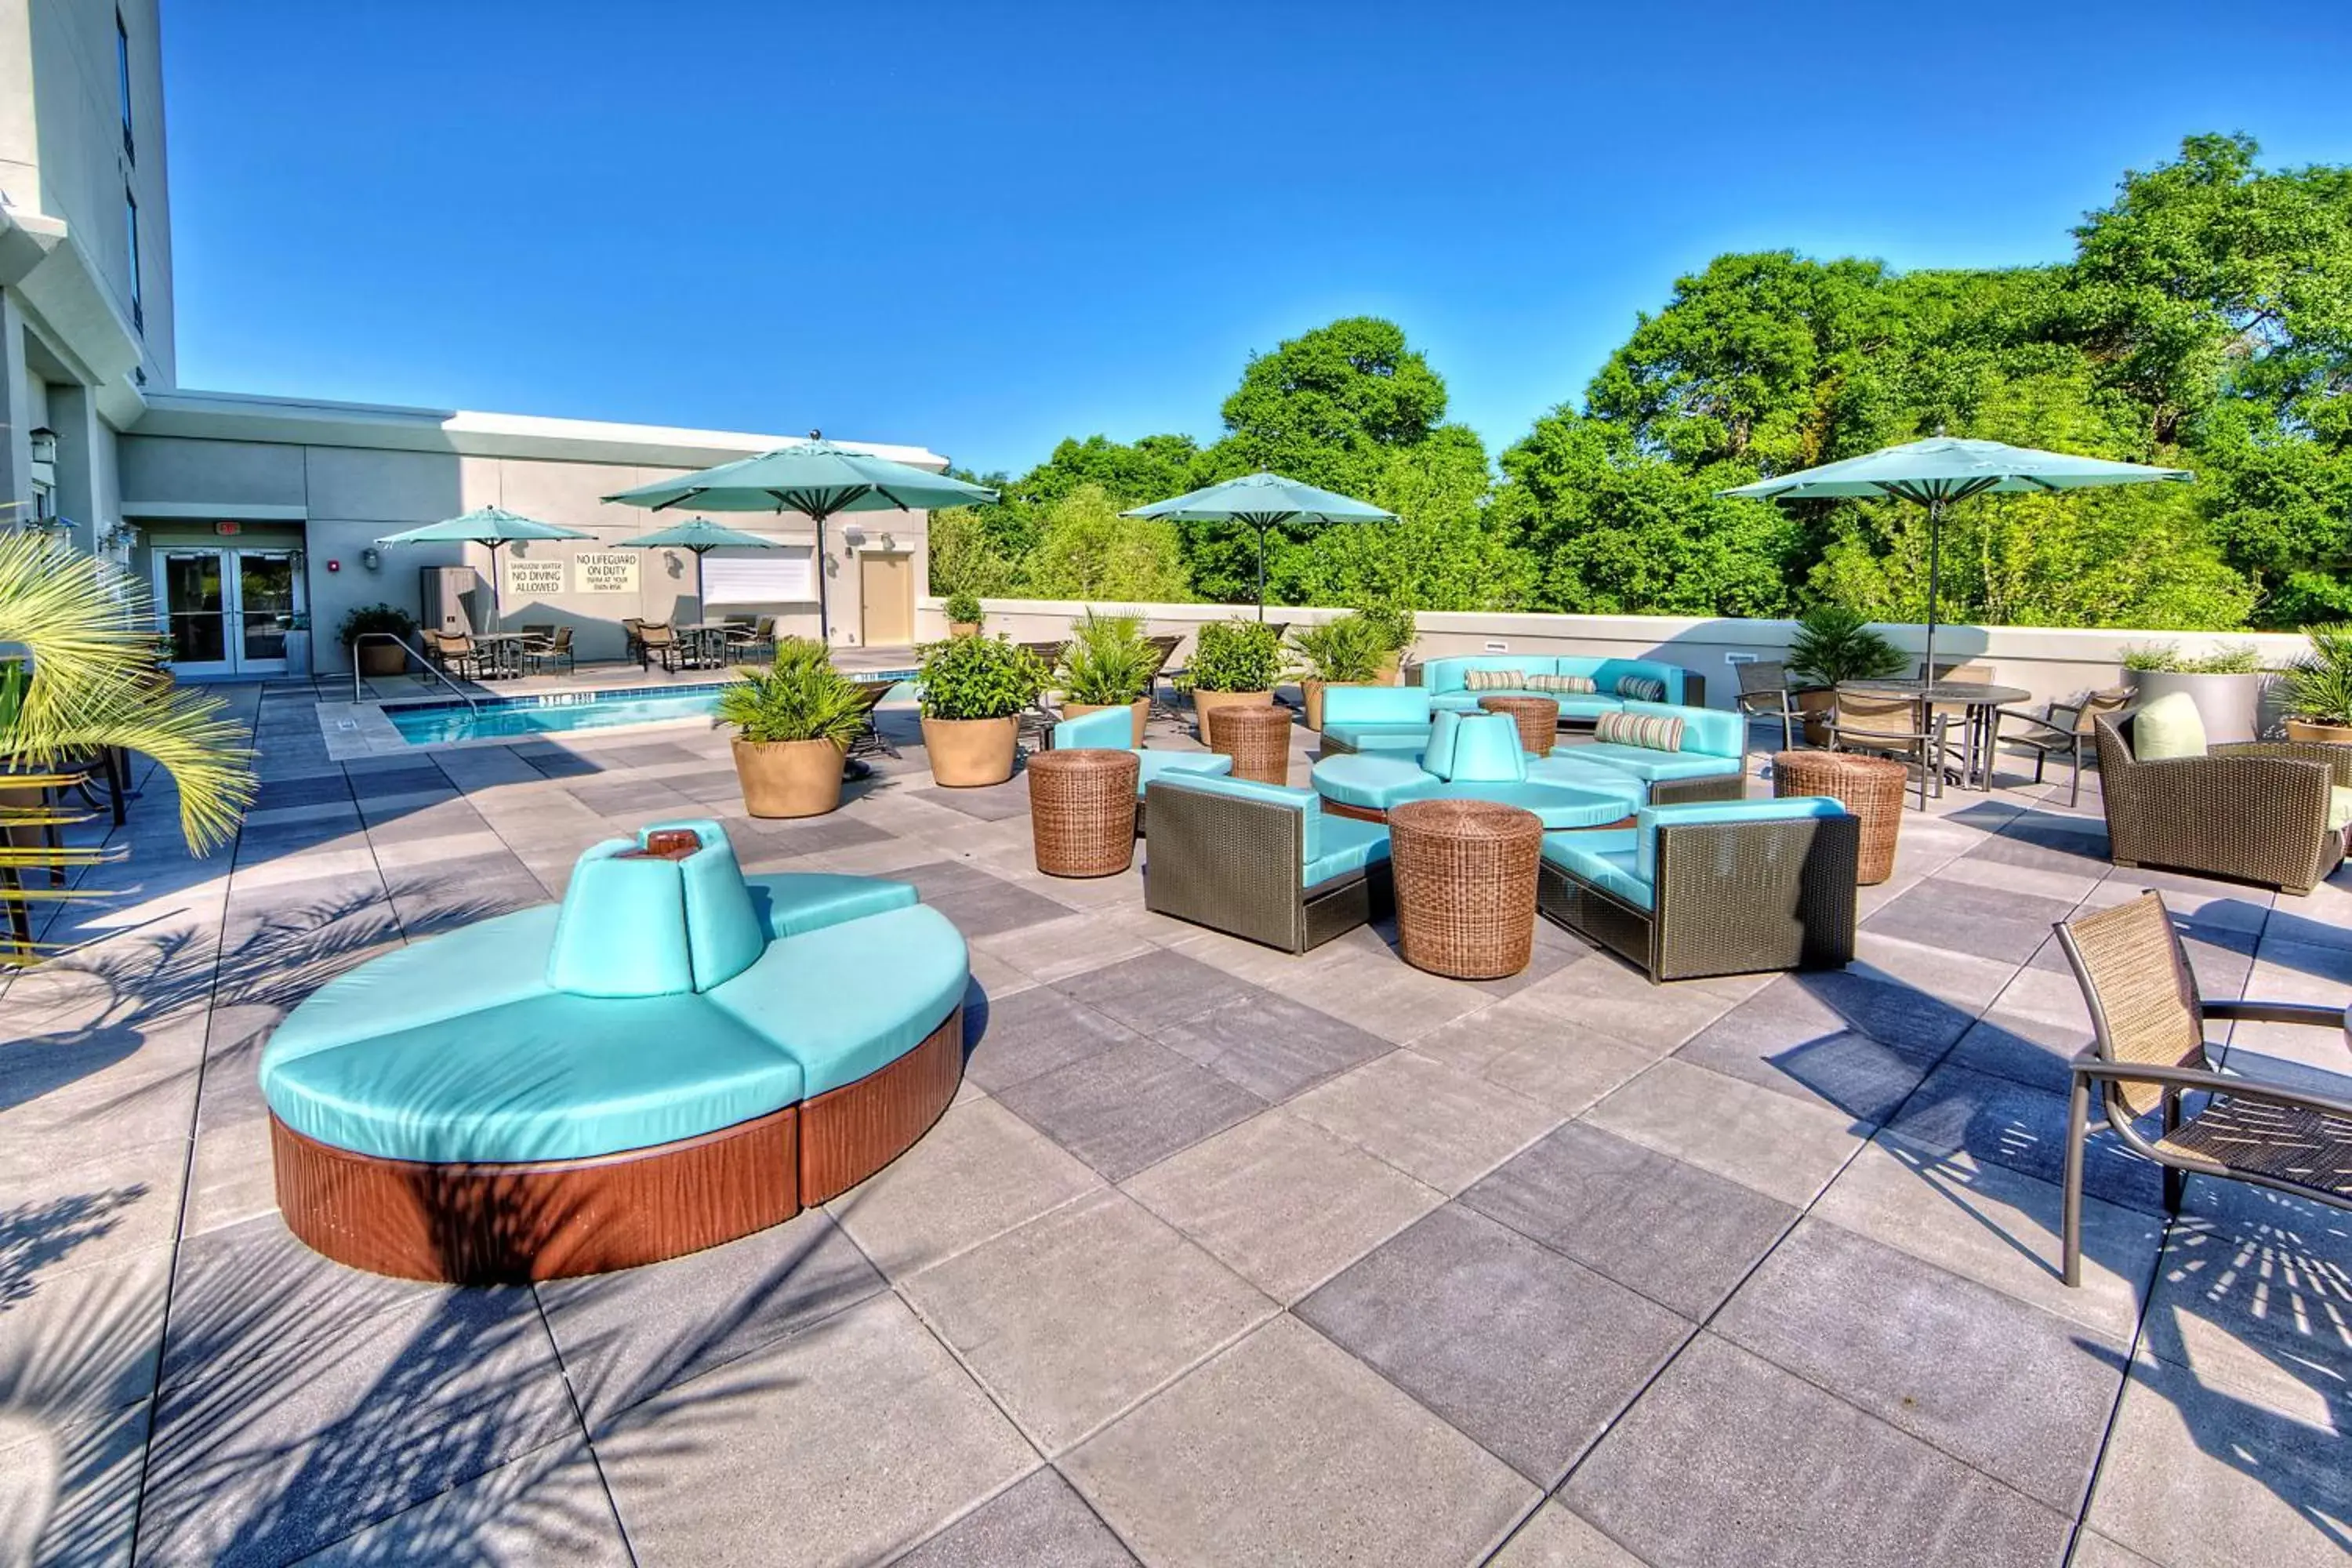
1563	685
1651	732
1641	687
1495	680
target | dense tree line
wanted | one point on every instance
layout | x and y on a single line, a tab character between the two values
2204	321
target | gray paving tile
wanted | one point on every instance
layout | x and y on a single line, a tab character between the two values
1555	1538
1915	1021
1552	1062
848	1443
2264	1308
979	904
1817	1481
1781	1146
1942	912
1526	1351
1017	1037
1040	1520
1129	1107
977	1174
69	1488
77	1342
1442	1127
1996	1119
626	1337
1843	1069
1675	1233
993	803
1076	1315
547	1506
1271	1045
2020	1394
1240	1463
1157	989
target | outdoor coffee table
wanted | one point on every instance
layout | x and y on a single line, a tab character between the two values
1258	741
1082	811
1979	699
1537	717
1871	787
1465	886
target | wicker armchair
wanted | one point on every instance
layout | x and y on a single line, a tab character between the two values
2148	1051
2252	811
1262	862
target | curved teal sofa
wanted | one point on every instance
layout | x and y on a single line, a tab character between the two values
668	1010
1442	679
1475	757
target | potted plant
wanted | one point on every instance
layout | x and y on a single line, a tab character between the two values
1392	624
1347	651
793	722
974	690
1834	643
1235	664
2319	688
1107	664
378	657
2226	682
964	613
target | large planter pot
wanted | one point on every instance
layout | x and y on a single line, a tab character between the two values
2229	705
1140	708
1313	690
2313	730
1815	705
967	754
963	629
1391	670
381	660
789	778
1206	703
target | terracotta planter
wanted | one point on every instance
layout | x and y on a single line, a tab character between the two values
1815	705
1206	703
1313	690
2313	730
967	754
381	660
1140	708
963	629
789	778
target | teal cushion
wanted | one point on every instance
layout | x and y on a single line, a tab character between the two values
1596	778
491	963
1707	732
1370	737
622	929
1645	764
1555	806
723	933
1485	751
1461	701
1591	706
845	1000
1652	819
552	1076
1374	782
1171	764
2168	727
1112	730
1444	730
1444	675
1346	847
791	902
1606	859
1375	705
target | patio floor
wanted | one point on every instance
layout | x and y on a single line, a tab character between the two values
1221	1256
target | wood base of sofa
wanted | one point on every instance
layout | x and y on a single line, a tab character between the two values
507	1224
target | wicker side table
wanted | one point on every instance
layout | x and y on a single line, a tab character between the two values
1537	717
1082	811
1465	886
1258	741
1871	787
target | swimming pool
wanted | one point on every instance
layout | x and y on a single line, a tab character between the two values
559	713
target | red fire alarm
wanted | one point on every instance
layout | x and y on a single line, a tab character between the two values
228	530
334	565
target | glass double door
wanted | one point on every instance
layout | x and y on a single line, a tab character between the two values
228	610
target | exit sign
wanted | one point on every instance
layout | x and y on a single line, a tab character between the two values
228	530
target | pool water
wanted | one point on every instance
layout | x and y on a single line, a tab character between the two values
559	713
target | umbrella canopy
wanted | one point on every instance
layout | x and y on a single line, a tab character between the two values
816	478
491	525
1945	468
1262	501
700	534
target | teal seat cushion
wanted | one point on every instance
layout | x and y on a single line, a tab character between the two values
1597	778
1112	730
1444	728
1606	672
1585	706
1440	676
843	1001
791	902
1406	705
1374	782
552	1077
1345	847
1485	751
1608	859
1555	806
622	931
1645	764
1371	737
1172	765
488	963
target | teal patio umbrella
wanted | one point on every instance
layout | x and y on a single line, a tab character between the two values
1940	471
1262	501
700	535
815	478
491	525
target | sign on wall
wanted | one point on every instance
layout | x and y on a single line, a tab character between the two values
608	571
533	579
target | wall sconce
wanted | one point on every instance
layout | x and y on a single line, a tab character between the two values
372	558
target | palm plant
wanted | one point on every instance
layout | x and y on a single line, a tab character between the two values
87	635
1108	662
2319	685
1343	650
800	697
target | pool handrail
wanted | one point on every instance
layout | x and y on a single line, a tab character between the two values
430	669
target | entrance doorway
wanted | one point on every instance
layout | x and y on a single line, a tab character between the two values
228	610
885	587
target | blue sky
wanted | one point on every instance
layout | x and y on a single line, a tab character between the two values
982	227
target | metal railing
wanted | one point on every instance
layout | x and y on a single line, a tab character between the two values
431	668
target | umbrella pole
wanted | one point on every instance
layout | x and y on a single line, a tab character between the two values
498	597
823	616
1934	543
1261	574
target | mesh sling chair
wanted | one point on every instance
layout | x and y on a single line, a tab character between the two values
1764	690
2147	1052
2061	729
1897	727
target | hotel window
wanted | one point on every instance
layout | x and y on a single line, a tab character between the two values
123	83
131	231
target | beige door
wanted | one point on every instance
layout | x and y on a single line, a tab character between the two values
885	592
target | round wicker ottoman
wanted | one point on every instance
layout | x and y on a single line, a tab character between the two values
1082	811
1465	886
1258	741
1537	717
1872	788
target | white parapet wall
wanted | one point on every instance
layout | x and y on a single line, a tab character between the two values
2047	661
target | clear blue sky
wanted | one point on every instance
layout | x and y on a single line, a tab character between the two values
982	227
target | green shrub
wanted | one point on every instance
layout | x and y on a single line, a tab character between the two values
1348	649
964	610
978	677
1835	644
366	618
2223	659
800	697
1108	661
1390	622
1235	655
2319	684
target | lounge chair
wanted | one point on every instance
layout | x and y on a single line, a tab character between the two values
556	650
869	741
1375	719
656	641
2270	812
1262	861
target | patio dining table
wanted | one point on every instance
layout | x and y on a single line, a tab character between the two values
708	644
503	653
1980	701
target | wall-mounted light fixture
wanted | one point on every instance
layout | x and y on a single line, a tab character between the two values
44	442
372	558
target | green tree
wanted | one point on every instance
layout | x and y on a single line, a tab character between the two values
1086	550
